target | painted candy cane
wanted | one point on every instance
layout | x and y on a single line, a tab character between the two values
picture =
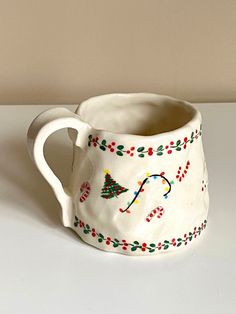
85	190
159	211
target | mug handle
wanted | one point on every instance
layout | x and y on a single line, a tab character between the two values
40	129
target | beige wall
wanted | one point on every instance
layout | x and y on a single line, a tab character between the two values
62	51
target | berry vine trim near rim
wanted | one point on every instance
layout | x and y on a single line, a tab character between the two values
142	151
136	245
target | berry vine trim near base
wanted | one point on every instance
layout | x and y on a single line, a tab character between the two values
136	245
142	151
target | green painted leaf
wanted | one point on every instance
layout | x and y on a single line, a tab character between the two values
140	149
152	245
151	251
192	134
179	239
89	143
190	238
166	247
159	153
120	147
178	148
87	226
160	147
100	239
90	136
141	155
178	142
134	248
86	231
104	142
115	244
179	243
116	240
166	241
136	242
119	153
102	148
191	141
101	235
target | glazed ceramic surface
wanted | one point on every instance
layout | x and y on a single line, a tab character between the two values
139	181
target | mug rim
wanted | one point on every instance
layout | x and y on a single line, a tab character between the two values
194	122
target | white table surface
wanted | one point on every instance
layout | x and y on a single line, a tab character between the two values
45	268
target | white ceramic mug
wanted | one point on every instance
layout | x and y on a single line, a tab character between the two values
139	181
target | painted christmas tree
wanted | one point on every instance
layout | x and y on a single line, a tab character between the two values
111	188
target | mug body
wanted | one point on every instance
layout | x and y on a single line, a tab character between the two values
139	181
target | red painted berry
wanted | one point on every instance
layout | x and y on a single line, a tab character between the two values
143	249
185	139
112	150
131	154
173	240
93	234
167	147
93	230
123	241
185	146
128	151
94	144
132	148
124	247
150	153
109	146
113	143
171	143
169	151
108	238
144	244
159	244
108	242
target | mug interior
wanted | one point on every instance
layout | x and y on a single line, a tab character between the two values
138	114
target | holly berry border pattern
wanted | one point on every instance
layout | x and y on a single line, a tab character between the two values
136	245
142	151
